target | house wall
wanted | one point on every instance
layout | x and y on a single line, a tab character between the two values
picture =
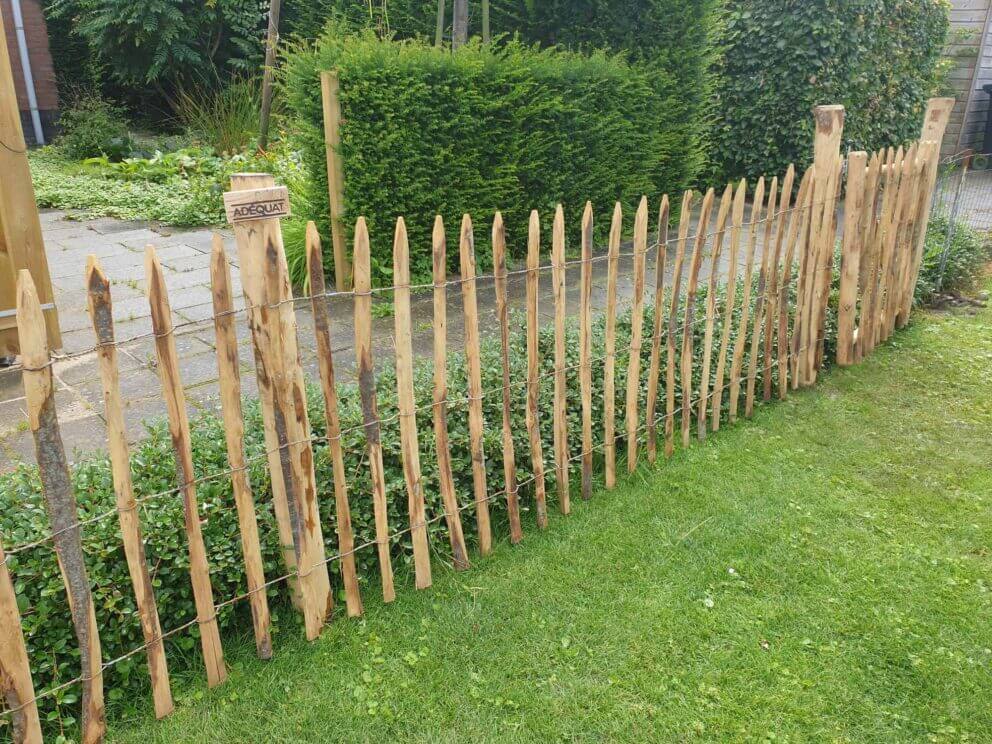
971	47
41	66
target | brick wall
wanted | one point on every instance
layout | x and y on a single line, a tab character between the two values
41	66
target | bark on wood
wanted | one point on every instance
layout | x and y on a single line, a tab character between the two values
685	218
585	349
736	226
102	317
797	219
610	350
688	329
761	298
772	294
533	369
654	368
711	290
850	260
560	413
738	356
636	331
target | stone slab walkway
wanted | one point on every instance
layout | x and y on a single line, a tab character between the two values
185	255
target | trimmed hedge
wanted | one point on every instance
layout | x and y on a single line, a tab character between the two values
510	128
779	58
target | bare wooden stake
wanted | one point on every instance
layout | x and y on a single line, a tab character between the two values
610	351
452	513
654	369
330	97
797	218
738	358
866	231
772	295
175	403
585	349
636	331
370	410
850	260
476	422
102	317
685	218
502	316
560	413
60	501
325	365
761	300
272	320
736	225
688	328
711	290
16	686
533	368
409	441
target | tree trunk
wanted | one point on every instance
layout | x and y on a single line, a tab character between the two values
439	32
271	41
459	28
486	35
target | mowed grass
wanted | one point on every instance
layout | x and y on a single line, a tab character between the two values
821	572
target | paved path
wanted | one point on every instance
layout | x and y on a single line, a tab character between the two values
185	255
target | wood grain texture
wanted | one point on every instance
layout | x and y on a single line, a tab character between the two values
370	411
866	231
533	420
330	100
16	685
632	396
175	404
452	512
585	349
102	316
332	417
654	366
711	292
610	350
272	321
688	328
476	421
772	296
737	360
761	298
736	226
409	441
229	378
685	219
560	411
59	498
503	319
850	257
797	218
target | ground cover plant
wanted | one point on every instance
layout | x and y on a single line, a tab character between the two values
801	576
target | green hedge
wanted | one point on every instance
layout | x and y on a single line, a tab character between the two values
968	254
511	128
778	58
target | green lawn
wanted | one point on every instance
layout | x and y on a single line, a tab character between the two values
820	573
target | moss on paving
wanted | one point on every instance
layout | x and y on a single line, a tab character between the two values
819	573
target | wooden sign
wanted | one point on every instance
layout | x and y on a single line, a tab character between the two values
256	204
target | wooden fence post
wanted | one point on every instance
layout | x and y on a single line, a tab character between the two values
325	365
452	513
409	441
330	89
761	298
585	349
610	349
737	360
502	316
229	377
476	422
560	413
60	501
654	368
101	315
771	310
866	231
796	220
272	320
685	218
688	329
850	260
711	288
370	410
636	331
175	402
16	686
533	420
736	225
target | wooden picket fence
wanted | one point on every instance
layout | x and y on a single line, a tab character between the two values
780	321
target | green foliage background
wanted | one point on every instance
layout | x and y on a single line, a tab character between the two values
508	128
779	58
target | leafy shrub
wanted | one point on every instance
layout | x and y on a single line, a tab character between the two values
779	58
511	128
967	255
94	127
225	119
